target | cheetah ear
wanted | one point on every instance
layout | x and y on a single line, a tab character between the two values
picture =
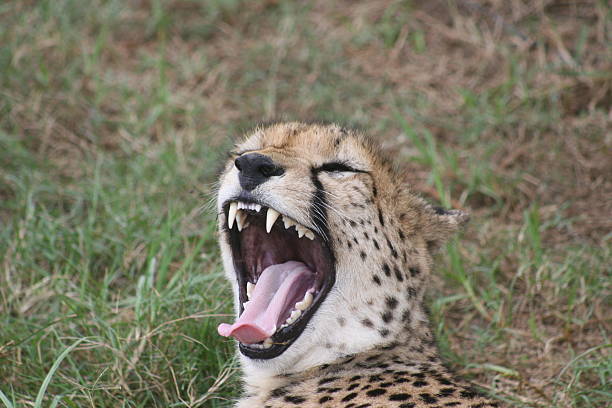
443	225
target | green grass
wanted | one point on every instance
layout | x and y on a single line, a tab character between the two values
115	117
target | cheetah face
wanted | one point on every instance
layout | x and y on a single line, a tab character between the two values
278	237
302	212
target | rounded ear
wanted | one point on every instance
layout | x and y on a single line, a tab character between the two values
442	224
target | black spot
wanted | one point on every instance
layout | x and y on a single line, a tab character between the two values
445	392
348	243
398	274
376	279
355	378
363	255
444	381
411	292
399	397
401	234
414	271
408	405
376	244
467	393
386	270
384	332
391	302
376	230
332	390
365	234
356	241
387	316
406	316
327	380
420	383
349	397
325	399
375	392
374	191
380	217
428	398
372	358
391	247
363	406
452	404
385	384
352	387
367	323
294	399
353	223
279	392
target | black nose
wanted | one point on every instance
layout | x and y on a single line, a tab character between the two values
255	169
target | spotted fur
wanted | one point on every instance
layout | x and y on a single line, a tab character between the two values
370	343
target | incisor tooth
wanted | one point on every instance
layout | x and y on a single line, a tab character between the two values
271	218
295	314
301	230
249	289
231	216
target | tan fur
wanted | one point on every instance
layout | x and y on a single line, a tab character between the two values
369	344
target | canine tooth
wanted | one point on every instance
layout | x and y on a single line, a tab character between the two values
288	221
249	289
271	218
231	216
257	207
267	342
303	305
309	234
241	220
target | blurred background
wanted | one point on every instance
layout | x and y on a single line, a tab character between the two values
116	115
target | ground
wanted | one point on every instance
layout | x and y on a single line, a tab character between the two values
114	117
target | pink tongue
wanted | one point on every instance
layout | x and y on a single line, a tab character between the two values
275	293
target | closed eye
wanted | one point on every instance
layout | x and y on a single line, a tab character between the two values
338	167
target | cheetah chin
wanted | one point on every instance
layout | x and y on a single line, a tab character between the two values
284	270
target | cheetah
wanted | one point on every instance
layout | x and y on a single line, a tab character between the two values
328	253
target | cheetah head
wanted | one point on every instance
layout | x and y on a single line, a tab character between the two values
325	247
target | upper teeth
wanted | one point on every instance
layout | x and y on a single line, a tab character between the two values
248	206
237	214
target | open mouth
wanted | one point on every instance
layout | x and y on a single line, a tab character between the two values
284	271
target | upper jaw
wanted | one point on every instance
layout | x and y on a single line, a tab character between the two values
238	211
